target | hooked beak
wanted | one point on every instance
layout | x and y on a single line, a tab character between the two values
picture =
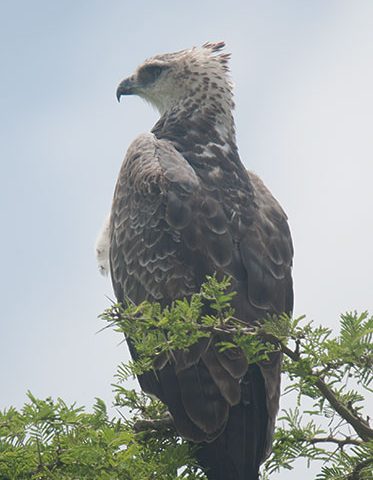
126	87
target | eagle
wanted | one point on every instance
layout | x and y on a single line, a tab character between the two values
185	207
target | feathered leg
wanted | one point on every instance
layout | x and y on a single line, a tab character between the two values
237	453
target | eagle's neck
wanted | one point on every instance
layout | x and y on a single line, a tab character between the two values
202	128
204	134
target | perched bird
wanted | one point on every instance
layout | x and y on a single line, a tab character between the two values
185	207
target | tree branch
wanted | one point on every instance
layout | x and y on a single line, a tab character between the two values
358	424
355	475
341	442
159	424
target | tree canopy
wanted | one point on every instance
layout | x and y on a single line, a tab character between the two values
327	374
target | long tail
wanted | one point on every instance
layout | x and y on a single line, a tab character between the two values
237	453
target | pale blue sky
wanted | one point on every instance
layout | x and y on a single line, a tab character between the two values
303	74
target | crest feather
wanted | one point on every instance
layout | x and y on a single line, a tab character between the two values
215	47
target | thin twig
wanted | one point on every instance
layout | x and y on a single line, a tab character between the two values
341	442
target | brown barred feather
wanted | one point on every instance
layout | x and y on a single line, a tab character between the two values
185	207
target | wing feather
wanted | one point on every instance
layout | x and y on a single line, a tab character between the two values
170	228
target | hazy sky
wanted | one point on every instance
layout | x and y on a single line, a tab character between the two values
303	74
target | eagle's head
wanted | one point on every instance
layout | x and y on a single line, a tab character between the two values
187	78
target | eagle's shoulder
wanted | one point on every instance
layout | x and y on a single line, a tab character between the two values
267	252
272	220
154	201
151	161
266	202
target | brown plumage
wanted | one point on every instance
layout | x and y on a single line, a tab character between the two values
185	207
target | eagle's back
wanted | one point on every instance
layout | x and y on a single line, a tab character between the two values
175	219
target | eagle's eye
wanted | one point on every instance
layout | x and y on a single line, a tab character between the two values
150	73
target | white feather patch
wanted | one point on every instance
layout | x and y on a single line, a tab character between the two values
103	248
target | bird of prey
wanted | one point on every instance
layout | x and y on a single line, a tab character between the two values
185	207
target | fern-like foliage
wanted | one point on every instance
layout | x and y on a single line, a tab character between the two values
51	440
329	376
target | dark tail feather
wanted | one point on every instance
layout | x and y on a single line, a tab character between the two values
237	453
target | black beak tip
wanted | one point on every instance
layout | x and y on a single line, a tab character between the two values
126	87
